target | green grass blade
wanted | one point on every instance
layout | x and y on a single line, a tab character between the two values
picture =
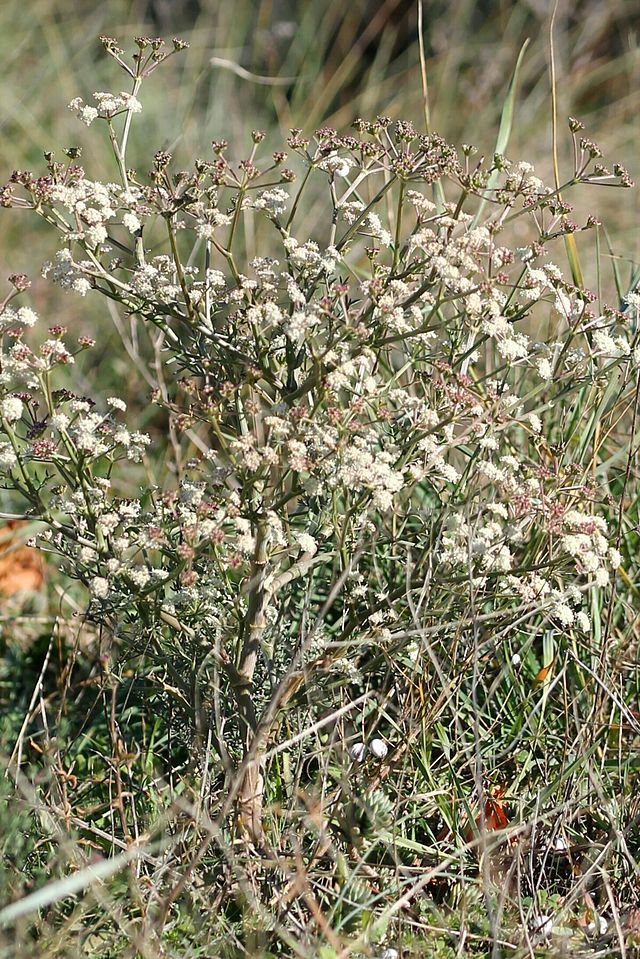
617	279
72	885
504	131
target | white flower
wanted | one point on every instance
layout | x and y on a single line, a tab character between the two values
297	454
60	421
563	303
300	322
11	408
272	201
535	422
514	347
564	613
139	576
420	202
351	211
357	752
26	316
374	224
99	587
131	222
85	113
129	509
306	543
515	659
108	523
605	343
191	494
111	103
336	165
116	403
80	286
88	115
583	622
633	300
215	278
8	458
544	368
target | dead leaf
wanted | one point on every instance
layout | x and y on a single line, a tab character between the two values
495	817
21	566
543	674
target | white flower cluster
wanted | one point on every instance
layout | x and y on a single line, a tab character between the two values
11	408
23	316
308	256
91	203
273	202
337	165
480	546
360	468
363	382
373	227
156	281
585	539
68	274
108	105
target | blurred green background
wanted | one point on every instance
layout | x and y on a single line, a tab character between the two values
274	64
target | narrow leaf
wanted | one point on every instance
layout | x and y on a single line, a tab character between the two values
504	131
69	886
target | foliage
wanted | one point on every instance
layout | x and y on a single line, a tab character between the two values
351	583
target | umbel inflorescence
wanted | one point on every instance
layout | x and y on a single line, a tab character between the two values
358	408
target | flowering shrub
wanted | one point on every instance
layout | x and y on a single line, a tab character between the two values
358	416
